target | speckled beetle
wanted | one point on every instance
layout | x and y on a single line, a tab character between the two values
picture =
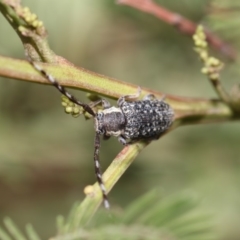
132	120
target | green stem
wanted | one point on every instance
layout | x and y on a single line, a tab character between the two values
119	165
34	42
187	110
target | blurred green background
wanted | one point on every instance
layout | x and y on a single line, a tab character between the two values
46	156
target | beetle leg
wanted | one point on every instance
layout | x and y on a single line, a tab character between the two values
149	97
105	104
131	97
122	140
152	96
106	137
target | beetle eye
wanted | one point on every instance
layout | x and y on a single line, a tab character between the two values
99	123
101	131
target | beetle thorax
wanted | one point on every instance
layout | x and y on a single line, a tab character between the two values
110	122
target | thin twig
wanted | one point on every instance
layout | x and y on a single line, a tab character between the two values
117	168
187	110
29	29
212	68
183	24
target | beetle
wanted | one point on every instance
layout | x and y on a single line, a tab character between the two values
130	121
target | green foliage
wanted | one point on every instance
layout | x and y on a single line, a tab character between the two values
14	233
149	217
210	160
